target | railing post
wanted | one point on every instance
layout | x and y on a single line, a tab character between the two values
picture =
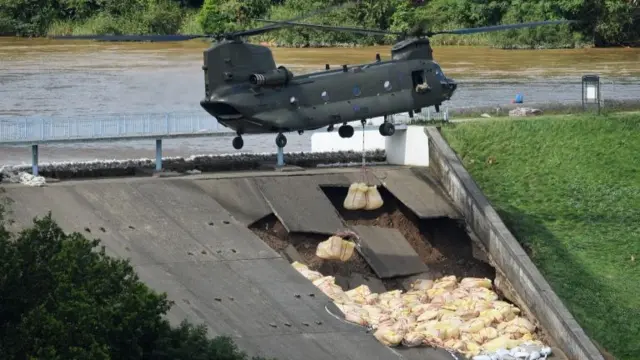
158	154
34	159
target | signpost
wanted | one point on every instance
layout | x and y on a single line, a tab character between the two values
590	91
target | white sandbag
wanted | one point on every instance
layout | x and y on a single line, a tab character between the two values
304	270
373	198
356	197
335	248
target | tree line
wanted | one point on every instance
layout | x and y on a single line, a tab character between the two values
602	22
62	297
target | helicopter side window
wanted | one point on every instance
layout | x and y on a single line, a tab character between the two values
419	84
418	77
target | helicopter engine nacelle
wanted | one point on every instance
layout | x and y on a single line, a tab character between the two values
279	76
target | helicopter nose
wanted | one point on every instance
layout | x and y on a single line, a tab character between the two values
449	86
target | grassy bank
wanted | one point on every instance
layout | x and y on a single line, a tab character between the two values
569	189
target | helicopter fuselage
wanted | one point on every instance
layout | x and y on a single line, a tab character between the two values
325	98
276	101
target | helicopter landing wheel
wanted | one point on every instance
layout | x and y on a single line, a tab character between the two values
237	142
345	131
281	140
387	129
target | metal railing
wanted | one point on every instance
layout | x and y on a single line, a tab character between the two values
109	127
114	127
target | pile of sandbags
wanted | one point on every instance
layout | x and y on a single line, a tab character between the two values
464	316
335	248
363	197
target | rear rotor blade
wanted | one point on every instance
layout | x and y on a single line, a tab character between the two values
334	28
151	38
498	27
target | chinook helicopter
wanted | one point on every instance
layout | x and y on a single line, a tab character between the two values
246	92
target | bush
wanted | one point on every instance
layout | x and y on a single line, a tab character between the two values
62	297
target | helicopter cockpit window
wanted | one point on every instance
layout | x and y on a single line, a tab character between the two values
439	74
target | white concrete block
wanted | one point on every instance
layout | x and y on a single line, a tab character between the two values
331	141
408	147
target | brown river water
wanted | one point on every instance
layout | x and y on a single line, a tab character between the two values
58	79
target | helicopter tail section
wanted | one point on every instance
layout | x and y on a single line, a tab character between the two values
221	110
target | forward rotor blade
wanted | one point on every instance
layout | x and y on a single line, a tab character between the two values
499	27
151	38
334	28
277	25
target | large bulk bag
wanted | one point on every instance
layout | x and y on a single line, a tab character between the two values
335	248
373	198
356	197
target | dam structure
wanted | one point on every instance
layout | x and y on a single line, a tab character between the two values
221	244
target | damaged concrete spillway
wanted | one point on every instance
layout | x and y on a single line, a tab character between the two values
221	247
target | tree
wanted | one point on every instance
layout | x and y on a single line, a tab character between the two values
62	299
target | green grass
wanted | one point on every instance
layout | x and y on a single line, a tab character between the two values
568	187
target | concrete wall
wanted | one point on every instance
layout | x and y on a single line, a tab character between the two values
533	292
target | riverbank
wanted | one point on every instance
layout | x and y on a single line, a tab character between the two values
567	187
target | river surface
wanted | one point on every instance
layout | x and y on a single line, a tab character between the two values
61	79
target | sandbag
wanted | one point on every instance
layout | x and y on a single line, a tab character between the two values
389	336
413	339
481	293
454	344
374	200
428	315
467	283
473	326
356	197
335	248
447	283
356	316
421	284
502	342
304	270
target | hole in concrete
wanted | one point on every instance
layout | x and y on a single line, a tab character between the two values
442	244
272	232
225	222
